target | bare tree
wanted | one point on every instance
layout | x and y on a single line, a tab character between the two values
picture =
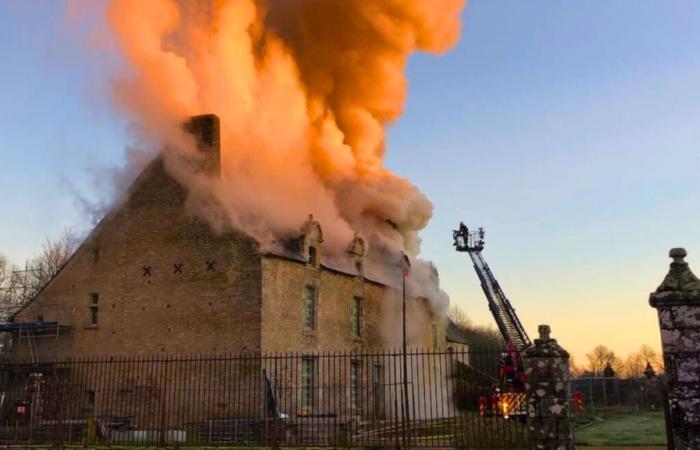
18	287
600	357
5	272
575	370
5	281
54	255
479	336
636	362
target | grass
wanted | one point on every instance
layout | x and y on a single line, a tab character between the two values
624	429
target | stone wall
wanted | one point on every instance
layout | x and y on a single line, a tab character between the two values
166	282
548	390
284	282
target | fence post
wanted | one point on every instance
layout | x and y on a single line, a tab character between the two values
548	386
677	301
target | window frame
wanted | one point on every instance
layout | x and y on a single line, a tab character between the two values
355	376
313	256
308	383
356	317
93	309
310	307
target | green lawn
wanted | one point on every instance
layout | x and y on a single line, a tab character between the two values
628	429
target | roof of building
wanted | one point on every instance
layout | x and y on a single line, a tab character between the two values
455	334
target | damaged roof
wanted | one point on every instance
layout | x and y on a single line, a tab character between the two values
455	334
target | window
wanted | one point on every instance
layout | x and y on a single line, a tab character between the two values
378	391
356	316
358	267
354	384
308	373
435	337
40	318
310	307
313	256
94	300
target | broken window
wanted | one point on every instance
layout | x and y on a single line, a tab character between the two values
94	300
357	316
310	295
308	375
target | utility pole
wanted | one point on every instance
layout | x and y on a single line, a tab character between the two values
405	269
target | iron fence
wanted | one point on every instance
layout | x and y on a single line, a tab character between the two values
454	398
613	392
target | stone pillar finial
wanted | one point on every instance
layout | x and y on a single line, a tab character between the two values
544	331
678	254
679	278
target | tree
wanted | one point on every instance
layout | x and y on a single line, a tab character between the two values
636	362
5	272
600	357
54	255
478	336
576	370
18	287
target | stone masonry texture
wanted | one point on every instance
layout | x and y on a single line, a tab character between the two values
677	301
548	390
165	283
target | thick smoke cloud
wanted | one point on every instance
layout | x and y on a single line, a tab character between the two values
304	90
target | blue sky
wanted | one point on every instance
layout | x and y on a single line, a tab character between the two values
567	129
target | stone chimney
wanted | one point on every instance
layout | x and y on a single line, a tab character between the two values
206	129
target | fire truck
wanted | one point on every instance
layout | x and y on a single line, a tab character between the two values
508	399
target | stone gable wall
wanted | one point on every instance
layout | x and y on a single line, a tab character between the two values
197	310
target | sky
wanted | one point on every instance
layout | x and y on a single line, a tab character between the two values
568	130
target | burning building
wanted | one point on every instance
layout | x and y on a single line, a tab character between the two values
152	278
212	248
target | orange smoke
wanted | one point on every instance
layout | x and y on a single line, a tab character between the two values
304	90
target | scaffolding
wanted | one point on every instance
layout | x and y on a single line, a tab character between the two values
29	332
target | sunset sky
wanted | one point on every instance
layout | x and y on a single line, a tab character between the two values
567	129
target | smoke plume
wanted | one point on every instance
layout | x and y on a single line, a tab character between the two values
304	90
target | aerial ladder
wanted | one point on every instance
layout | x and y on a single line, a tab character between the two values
503	312
512	402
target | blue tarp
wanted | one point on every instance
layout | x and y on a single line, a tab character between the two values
15	326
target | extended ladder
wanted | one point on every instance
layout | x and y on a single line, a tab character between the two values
503	312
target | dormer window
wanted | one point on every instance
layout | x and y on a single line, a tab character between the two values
310	241
313	256
358	250
359	267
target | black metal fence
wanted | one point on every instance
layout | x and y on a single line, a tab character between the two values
611	392
449	399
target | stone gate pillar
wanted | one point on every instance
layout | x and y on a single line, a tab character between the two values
677	301
548	389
